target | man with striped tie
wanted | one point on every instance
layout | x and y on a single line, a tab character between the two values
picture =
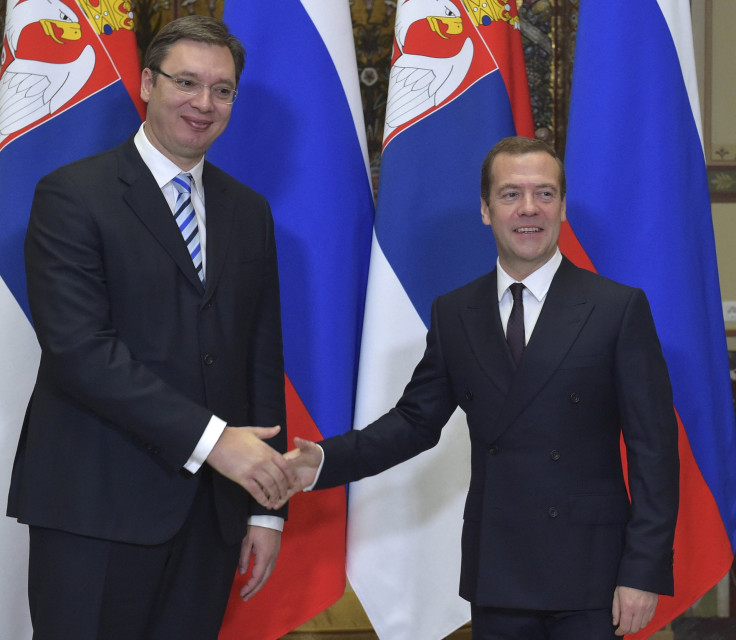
153	285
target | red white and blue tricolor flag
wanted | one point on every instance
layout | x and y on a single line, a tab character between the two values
65	76
297	136
638	201
457	85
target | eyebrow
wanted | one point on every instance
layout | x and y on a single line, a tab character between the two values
543	185
190	75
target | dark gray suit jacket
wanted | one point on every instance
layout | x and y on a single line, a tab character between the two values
136	354
548	524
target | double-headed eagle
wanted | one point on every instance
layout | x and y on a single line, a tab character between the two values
420	82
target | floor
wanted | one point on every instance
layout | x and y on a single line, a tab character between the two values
684	629
705	629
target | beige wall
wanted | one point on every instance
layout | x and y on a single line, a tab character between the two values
718	104
724	226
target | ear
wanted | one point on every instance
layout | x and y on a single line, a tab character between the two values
146	84
485	212
563	209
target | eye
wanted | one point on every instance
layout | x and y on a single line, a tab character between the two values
222	92
186	84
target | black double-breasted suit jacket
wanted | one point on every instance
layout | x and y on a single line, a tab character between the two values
548	523
136	355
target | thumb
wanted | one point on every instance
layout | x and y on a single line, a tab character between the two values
616	608
304	445
264	433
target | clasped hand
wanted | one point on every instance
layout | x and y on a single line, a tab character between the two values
271	478
241	456
304	461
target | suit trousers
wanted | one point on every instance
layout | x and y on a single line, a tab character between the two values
490	623
90	589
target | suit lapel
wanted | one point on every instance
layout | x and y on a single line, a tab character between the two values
482	325
220	212
148	203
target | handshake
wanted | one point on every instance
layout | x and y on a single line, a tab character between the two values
271	478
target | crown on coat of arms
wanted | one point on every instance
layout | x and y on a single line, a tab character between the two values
108	16
483	12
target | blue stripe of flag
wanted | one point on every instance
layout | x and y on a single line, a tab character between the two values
305	157
428	213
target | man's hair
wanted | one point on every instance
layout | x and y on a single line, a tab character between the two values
198	29
517	146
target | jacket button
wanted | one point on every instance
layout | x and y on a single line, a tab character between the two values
493	449
552	511
209	359
574	397
468	395
554	454
206	306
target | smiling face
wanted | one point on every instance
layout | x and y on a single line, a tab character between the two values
525	209
179	125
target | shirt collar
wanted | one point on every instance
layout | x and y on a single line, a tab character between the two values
538	282
163	169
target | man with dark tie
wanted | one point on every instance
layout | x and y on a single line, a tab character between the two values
153	286
551	364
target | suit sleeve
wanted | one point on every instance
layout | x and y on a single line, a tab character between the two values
649	427
412	426
82	352
266	366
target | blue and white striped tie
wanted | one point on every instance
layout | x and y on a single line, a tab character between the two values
187	220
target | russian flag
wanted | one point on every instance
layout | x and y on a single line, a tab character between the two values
457	85
63	96
297	136
638	201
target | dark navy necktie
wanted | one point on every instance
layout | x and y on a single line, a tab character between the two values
515	326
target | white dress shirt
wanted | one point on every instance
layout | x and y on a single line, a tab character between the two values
535	292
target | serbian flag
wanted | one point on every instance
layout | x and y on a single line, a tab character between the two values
457	85
64	82
638	202
297	136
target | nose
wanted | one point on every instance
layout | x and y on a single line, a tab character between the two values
203	100
528	204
